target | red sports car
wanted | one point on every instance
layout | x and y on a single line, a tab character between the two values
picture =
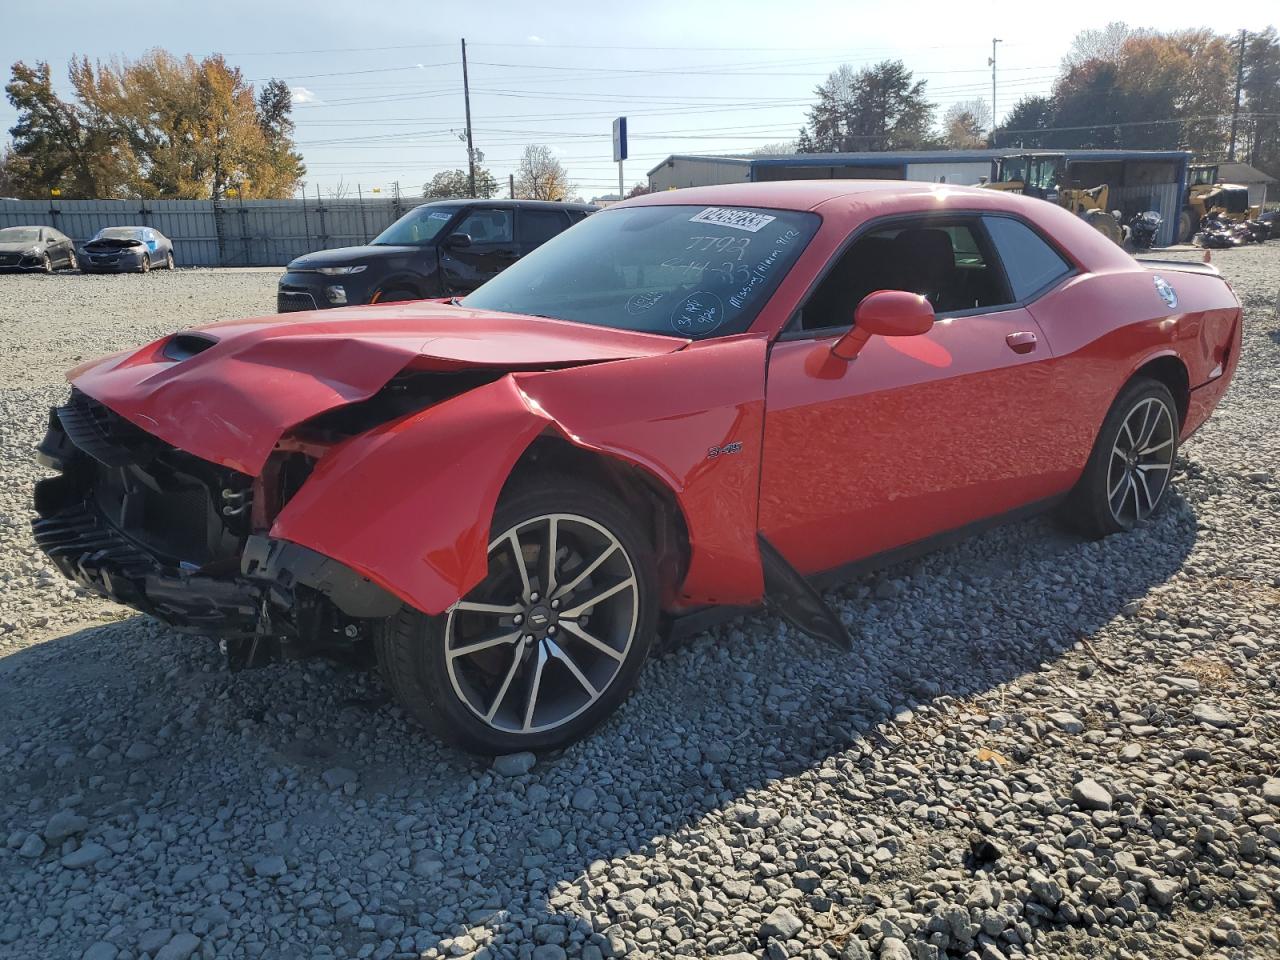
693	400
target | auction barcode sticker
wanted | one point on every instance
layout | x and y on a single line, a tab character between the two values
737	219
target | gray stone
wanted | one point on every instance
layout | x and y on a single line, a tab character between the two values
549	951
32	847
336	777
781	924
63	824
514	764
1088	794
1162	890
100	951
271	867
180	947
1067	722
1271	790
140	751
891	948
85	856
584	799
1213	715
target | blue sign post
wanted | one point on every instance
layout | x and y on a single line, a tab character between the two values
620	148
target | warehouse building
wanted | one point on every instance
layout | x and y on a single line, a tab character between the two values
1139	179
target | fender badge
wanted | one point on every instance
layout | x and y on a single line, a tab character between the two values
727	449
1167	293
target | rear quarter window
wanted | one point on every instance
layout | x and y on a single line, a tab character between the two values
1029	262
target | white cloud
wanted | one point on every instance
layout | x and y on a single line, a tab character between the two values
534	38
303	95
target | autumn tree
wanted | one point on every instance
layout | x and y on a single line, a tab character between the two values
639	190
965	124
56	145
158	126
540	176
876	108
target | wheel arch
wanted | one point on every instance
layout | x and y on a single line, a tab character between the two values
1169	369
666	523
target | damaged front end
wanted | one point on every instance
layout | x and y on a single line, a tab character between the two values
185	540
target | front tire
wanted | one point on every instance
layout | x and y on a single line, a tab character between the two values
1130	468
1105	224
46	264
71	260
538	653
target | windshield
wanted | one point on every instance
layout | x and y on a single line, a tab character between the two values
688	271
416	228
19	235
119	233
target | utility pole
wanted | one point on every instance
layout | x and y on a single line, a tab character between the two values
991	62
1235	110
511	184
466	97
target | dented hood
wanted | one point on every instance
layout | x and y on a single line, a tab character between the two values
227	392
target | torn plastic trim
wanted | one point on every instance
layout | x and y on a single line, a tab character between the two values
797	601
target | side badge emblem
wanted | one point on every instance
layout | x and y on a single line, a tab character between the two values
1167	293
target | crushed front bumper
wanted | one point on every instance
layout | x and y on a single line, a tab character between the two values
225	585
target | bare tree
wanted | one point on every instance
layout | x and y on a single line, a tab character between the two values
340	189
965	124
1102	44
540	176
777	147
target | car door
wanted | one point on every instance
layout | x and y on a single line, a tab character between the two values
63	247
917	435
492	249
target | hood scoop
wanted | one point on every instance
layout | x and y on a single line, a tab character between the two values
184	346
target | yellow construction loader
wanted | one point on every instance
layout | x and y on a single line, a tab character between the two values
1206	195
1047	176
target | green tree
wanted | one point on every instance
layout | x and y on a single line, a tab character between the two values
55	144
453	184
1022	124
876	108
1262	100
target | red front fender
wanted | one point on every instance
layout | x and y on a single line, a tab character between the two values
409	504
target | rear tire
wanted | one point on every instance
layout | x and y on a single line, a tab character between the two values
1186	226
1105	224
146	264
168	260
1131	466
510	668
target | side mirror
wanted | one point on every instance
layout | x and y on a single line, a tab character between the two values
457	241
885	313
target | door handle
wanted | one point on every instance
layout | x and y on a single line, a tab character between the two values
1024	341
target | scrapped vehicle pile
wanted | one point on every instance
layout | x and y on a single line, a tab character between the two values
1218	232
1040	746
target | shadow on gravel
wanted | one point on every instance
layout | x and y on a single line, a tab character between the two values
724	716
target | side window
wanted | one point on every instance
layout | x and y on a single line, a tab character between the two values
1030	263
536	227
487	226
944	261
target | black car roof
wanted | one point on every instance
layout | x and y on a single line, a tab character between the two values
521	204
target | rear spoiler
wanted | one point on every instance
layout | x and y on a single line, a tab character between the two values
1185	266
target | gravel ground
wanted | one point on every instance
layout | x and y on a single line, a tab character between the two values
1042	747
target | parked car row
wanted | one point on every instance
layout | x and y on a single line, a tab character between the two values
111	250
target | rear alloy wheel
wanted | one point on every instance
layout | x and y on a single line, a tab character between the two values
146	264
549	643
1131	465
168	260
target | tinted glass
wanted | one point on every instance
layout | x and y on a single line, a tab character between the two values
687	271
539	226
1028	260
487	226
120	233
19	235
417	227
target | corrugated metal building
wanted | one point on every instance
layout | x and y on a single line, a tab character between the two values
1139	179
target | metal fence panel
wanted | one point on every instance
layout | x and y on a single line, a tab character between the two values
264	233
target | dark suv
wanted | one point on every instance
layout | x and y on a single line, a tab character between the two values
439	249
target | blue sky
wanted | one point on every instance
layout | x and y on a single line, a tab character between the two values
378	85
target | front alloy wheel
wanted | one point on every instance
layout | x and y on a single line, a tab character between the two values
549	642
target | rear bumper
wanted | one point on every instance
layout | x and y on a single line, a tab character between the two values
264	586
